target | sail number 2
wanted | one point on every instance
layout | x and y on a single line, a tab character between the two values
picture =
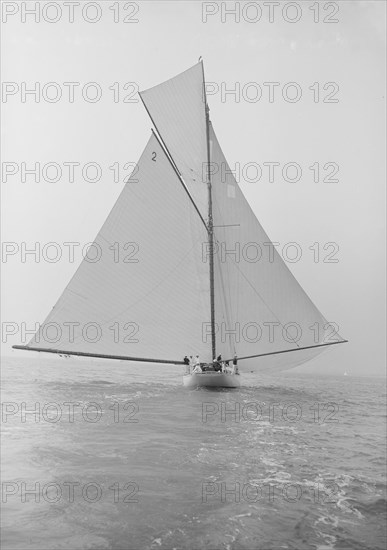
154	156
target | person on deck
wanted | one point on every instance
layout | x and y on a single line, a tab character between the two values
217	365
235	364
197	369
186	363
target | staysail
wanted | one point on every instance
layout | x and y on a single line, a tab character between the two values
260	306
148	301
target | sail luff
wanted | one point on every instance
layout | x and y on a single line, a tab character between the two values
160	137
176	108
210	221
173	164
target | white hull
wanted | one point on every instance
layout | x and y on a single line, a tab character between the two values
212	380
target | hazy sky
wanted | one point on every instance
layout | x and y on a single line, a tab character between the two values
167	38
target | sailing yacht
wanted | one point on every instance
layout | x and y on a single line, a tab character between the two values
191	280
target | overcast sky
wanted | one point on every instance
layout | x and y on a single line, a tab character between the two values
339	118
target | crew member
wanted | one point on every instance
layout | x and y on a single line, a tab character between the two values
197	369
186	363
235	364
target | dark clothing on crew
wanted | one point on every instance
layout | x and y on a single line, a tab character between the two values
186	360
235	363
217	366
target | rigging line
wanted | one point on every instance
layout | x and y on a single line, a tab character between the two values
167	154
258	294
289	350
162	143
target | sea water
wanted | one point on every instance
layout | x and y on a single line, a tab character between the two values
111	455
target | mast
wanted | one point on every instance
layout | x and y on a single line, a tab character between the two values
210	224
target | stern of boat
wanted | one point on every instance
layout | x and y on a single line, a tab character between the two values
211	380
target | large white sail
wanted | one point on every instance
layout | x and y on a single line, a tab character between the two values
259	305
150	302
177	108
153	293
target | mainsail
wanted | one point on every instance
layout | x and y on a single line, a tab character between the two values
200	275
148	303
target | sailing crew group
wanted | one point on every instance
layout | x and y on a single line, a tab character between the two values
193	365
